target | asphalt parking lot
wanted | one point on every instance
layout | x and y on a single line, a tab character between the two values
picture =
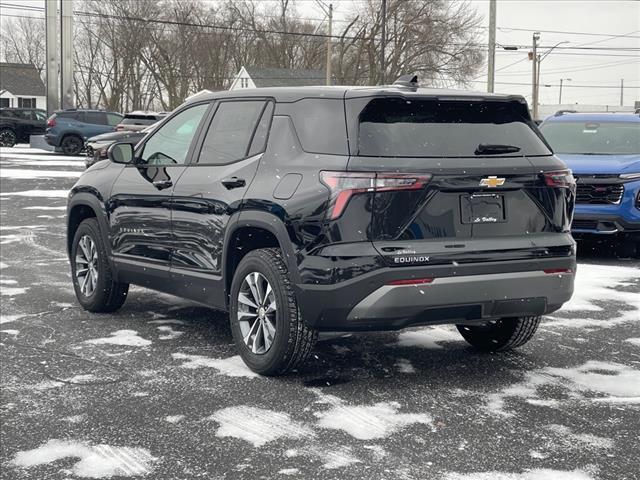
156	391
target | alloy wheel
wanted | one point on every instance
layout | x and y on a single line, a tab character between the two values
7	138
257	313
87	265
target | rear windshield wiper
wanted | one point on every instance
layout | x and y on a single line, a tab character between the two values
494	149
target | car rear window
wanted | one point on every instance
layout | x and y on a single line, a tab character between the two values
401	127
607	138
138	120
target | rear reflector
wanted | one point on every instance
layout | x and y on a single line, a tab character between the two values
411	281
551	271
343	185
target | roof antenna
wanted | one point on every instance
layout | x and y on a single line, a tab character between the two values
410	81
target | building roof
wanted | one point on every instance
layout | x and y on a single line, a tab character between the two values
284	77
21	79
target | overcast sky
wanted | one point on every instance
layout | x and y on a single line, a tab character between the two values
591	71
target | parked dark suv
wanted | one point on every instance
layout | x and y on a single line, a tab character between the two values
18	124
305	209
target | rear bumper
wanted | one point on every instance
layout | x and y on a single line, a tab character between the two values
53	140
475	292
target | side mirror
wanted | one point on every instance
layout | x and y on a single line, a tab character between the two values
120	153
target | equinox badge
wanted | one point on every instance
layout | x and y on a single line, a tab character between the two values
492	182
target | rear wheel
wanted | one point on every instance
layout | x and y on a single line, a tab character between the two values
266	325
93	280
500	335
71	145
7	137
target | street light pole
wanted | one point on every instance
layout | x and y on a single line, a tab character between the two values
534	76
491	60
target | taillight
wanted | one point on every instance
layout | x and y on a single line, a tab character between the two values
559	179
51	122
343	185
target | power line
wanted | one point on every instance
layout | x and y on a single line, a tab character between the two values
507	29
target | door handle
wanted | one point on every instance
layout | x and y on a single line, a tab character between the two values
233	182
162	184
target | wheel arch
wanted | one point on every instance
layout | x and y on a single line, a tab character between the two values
253	230
83	205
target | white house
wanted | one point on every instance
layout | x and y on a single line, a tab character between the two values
21	86
254	77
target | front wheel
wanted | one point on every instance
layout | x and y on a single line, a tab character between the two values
7	138
500	335
265	320
93	280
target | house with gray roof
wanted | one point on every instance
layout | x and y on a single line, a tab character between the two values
21	86
257	77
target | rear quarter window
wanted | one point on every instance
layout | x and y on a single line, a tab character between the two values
320	124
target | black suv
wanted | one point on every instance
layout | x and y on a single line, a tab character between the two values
301	210
17	124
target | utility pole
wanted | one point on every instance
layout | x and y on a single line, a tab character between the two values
51	13
383	43
560	96
329	44
491	61
534	76
66	53
622	92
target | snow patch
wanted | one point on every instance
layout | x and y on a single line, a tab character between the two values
404	366
13	291
95	461
289	471
38	207
174	418
258	426
232	366
428	337
168	333
10	332
128	338
26	174
367	422
600	282
37	193
633	341
535	474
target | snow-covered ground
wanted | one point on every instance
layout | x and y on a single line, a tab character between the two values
156	390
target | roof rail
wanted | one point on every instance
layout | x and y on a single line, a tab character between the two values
562	112
410	81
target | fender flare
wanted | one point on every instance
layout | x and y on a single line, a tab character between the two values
90	197
269	222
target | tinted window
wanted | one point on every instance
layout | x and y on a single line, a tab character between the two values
608	138
23	114
320	125
169	145
69	115
113	119
259	142
398	127
96	118
230	132
138	120
39	115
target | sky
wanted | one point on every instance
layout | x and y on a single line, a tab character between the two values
595	75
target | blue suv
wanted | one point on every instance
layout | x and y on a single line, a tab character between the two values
68	130
603	150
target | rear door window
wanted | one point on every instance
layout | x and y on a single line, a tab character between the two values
96	118
113	119
403	127
230	132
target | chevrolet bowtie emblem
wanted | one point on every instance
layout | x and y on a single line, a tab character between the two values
491	182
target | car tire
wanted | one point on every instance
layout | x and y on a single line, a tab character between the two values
500	335
100	293
274	317
8	138
71	145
